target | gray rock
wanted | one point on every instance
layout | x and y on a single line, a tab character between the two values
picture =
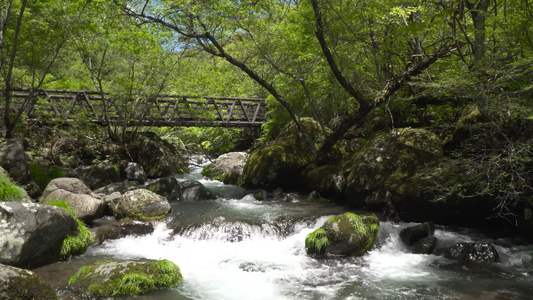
192	190
86	207
141	204
134	172
18	283
73	185
31	234
13	159
424	246
118	229
227	167
120	187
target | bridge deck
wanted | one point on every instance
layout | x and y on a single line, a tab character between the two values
163	110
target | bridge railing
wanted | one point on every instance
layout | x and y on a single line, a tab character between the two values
163	110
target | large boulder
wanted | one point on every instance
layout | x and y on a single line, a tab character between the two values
280	162
77	195
31	235
141	205
13	159
86	207
347	234
111	279
227	168
18	283
97	176
193	190
158	157
73	185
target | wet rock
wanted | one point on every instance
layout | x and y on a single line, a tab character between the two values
105	280
192	190
133	171
227	168
13	159
167	187
261	195
424	246
412	234
141	205
280	162
347	234
115	230
18	283
483	253
31	234
86	207
97	176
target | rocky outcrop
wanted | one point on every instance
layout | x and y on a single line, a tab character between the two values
227	168
77	195
347	234
18	283
13	159
133	171
480	253
141	205
280	162
192	190
31	235
105	280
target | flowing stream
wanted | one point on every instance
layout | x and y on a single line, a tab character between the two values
238	248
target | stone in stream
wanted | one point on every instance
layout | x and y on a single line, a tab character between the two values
347	234
483	253
111	279
227	167
18	283
167	187
419	238
193	190
141	204
112	230
31	235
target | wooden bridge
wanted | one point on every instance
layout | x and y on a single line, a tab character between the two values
54	106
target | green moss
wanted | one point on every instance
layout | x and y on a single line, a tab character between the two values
317	242
126	278
74	245
9	191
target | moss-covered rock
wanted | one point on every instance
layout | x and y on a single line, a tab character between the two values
280	162
387	165
347	234
141	205
125	278
18	283
75	244
419	138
